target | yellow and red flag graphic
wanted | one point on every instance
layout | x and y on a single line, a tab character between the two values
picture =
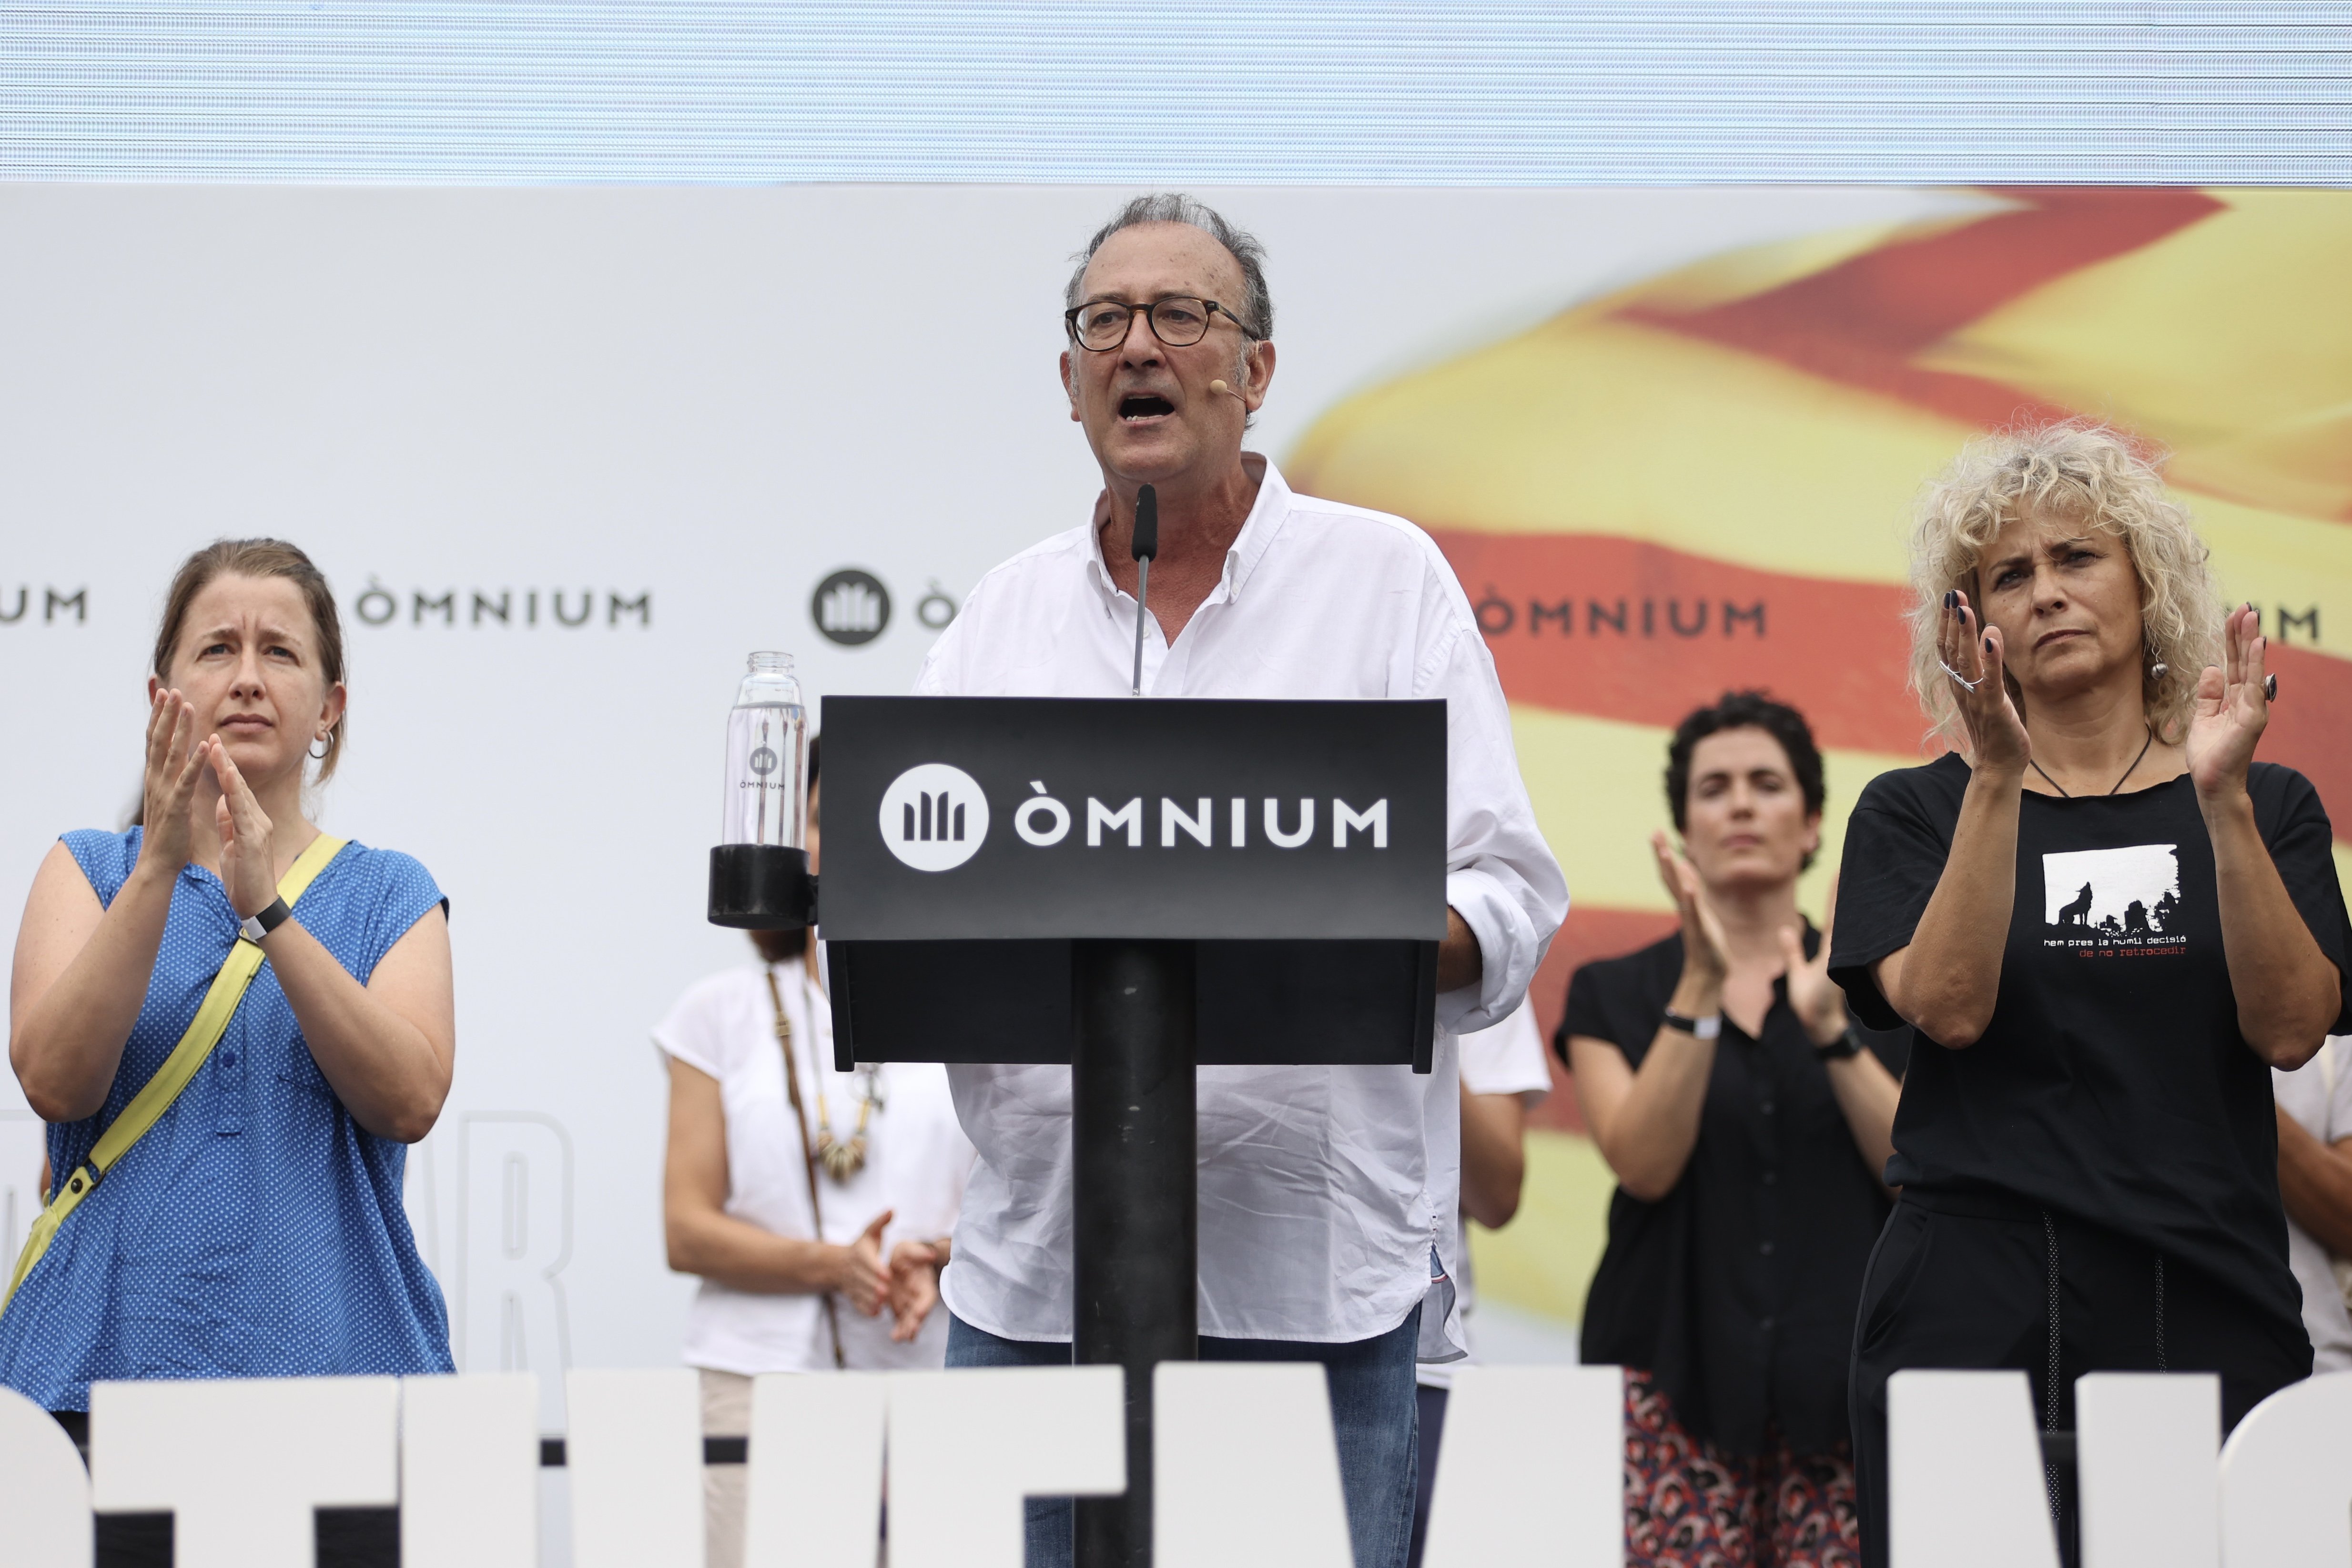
1703	482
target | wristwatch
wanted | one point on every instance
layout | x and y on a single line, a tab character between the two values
257	926
1707	1027
1844	1046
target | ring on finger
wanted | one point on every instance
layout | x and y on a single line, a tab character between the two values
1965	684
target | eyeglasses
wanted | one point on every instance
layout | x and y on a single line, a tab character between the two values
1103	324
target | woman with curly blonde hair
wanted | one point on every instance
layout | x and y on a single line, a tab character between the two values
2104	922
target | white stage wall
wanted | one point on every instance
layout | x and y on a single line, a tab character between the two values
689	405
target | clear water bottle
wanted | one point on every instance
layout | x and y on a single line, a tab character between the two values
759	872
766	752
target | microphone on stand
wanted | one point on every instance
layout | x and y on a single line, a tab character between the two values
1145	547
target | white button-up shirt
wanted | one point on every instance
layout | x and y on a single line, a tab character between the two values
1328	1194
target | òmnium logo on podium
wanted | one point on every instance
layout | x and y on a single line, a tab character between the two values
934	817
1081	817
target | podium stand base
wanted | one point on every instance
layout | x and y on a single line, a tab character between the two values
1135	1191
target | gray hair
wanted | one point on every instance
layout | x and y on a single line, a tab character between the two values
1255	307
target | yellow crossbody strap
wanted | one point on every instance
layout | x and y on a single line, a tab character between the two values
179	1069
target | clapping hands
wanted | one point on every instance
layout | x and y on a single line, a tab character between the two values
907	1285
173	760
914	1285
1972	656
249	850
2232	708
1817	1000
862	1278
1704	952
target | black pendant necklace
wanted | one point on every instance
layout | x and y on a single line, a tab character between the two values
2118	783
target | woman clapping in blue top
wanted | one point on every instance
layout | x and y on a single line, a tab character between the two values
255	1228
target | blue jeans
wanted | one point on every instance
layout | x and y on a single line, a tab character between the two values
1373	1416
1432	1404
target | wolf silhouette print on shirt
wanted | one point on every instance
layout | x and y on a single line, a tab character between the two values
2120	899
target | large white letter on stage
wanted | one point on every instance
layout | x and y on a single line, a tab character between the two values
24	1146
1964	1472
1245	1469
514	1226
1259	1490
241	1466
966	1447
470	1471
814	1492
2286	1477
44	1492
2145	1443
1532	1470
635	1449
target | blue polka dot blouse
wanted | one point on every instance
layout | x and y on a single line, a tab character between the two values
256	1230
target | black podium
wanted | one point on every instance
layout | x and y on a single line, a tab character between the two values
1134	887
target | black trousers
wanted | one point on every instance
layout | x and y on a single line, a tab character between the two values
1965	1282
346	1537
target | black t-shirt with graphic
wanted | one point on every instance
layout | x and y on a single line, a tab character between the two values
2112	1084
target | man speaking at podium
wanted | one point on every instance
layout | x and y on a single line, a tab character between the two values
1326	1194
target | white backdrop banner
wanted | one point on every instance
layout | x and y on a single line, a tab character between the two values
566	456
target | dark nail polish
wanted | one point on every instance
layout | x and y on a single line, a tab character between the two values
1988	643
1951	598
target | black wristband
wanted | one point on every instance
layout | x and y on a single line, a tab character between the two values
1706	1028
258	925
1844	1046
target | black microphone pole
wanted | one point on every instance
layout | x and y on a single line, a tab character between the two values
1134	1198
1145	547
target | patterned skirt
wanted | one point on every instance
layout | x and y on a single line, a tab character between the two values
1690	1504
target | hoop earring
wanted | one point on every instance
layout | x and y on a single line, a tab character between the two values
326	741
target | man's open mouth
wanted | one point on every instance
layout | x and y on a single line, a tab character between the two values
1144	405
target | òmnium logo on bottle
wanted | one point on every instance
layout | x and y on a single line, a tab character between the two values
934	817
763	761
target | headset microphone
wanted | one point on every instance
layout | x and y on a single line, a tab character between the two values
1220	387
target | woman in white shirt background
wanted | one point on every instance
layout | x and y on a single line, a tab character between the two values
2315	1126
815	1205
1504	1075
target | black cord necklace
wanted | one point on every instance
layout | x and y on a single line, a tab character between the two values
2119	784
